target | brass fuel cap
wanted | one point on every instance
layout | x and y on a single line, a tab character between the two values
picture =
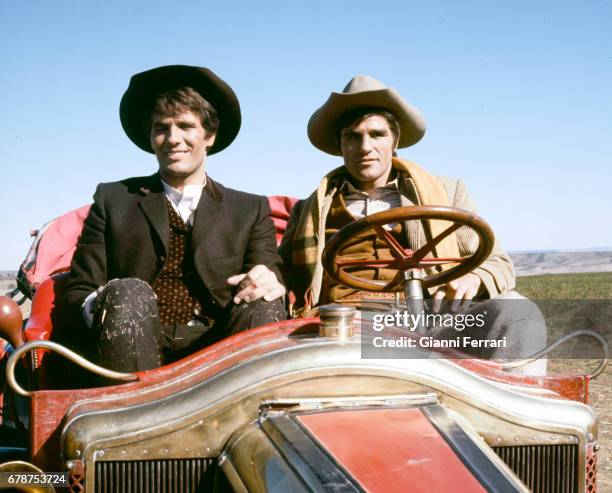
336	321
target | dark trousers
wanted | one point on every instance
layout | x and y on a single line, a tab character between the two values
130	337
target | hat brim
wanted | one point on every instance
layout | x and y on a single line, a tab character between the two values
139	98
322	126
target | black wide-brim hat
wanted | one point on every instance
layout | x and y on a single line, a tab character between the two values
139	98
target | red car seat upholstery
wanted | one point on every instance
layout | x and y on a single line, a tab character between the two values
44	316
281	209
52	249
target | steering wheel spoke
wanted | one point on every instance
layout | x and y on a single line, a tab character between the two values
422	252
428	262
396	249
395	264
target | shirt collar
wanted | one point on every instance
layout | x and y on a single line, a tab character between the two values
348	187
190	193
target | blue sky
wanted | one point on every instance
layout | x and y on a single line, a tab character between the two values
516	96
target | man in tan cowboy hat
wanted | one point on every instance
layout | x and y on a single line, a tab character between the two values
172	262
365	124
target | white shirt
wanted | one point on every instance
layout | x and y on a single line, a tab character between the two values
186	202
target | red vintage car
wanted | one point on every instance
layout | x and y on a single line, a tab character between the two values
294	406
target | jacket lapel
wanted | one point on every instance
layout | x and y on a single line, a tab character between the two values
207	214
153	205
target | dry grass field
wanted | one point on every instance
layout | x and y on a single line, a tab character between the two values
561	287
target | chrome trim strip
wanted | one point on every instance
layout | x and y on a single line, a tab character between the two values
492	477
316	468
66	353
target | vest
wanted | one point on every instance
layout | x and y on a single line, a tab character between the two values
370	246
181	295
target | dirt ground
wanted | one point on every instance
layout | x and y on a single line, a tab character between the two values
600	399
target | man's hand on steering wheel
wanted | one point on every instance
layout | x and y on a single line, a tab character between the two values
461	291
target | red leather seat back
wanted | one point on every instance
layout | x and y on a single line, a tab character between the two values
281	209
44	312
52	249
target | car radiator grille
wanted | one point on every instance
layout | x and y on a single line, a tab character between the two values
543	468
153	476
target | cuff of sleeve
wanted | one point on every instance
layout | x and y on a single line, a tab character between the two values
488	282
87	308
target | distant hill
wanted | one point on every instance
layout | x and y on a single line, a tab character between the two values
561	262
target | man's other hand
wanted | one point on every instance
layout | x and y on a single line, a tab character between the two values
259	282
461	291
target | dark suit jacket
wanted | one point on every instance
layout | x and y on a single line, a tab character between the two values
127	232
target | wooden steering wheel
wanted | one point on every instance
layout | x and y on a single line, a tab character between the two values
405	259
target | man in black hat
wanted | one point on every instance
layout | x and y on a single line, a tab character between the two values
170	263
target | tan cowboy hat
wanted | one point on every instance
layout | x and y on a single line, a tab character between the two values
363	92
140	95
